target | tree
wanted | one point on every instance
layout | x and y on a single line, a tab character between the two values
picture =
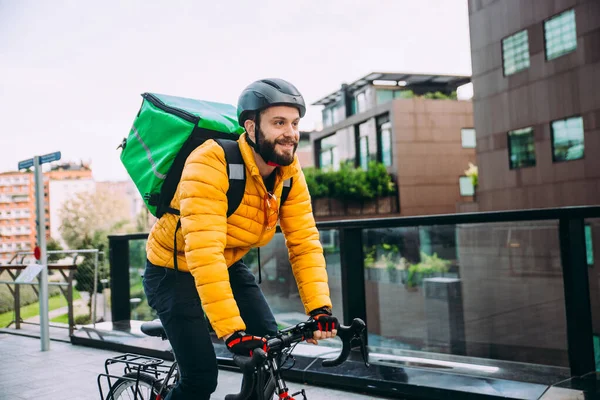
53	245
87	220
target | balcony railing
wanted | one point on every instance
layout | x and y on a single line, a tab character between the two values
485	297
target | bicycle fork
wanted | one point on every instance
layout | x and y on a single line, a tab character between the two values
282	390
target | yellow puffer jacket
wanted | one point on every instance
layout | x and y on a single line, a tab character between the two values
209	242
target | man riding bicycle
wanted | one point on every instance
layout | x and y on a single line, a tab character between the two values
208	275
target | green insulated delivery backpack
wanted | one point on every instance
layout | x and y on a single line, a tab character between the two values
164	133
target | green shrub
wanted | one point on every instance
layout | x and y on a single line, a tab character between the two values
439	96
317	186
379	180
429	265
349	182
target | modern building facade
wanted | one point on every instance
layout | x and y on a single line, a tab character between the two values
536	80
411	123
536	75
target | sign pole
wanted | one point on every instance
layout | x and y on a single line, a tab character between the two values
40	205
41	236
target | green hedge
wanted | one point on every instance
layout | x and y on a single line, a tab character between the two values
349	182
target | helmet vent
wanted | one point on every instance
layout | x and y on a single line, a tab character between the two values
271	83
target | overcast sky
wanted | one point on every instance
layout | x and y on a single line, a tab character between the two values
71	72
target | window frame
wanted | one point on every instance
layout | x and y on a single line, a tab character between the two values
554	160
502	53
545	38
508	140
363	163
462	138
462	177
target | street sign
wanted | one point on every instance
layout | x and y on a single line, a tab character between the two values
26	164
43	159
29	273
50	157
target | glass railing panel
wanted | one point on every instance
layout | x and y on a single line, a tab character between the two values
140	310
278	283
491	290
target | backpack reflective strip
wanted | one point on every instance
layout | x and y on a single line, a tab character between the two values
148	154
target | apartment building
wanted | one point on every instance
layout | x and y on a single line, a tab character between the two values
412	123
536	75
18	213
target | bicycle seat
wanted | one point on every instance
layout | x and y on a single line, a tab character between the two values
154	328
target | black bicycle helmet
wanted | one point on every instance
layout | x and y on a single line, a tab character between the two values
266	93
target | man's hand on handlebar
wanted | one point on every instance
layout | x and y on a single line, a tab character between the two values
244	344
326	323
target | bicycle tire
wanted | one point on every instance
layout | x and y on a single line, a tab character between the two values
148	388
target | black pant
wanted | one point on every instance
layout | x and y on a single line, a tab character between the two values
174	297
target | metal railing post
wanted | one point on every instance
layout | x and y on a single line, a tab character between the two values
94	298
119	278
353	274
577	296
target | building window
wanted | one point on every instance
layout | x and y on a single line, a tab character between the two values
515	53
384	96
339	113
560	35
386	144
521	148
466	186
361	102
327	118
468	138
364	152
567	139
328	157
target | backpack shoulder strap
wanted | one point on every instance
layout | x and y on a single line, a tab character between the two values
287	186
236	172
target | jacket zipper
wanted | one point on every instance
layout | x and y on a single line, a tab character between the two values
171	110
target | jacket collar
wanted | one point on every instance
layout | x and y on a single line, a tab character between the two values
248	156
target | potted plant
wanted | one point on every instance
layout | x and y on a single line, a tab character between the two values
429	266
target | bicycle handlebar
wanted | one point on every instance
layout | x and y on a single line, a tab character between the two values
348	334
290	336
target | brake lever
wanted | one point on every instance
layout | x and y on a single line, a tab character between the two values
363	348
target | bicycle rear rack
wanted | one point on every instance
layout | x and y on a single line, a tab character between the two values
134	364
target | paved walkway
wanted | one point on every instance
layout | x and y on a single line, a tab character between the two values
69	372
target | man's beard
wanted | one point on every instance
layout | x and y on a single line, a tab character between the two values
270	154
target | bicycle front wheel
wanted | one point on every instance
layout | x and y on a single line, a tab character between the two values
147	388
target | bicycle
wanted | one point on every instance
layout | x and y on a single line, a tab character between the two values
147	378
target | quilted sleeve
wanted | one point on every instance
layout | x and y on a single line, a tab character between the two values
304	246
203	207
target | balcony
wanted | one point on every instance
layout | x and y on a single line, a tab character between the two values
20	198
454	304
331	208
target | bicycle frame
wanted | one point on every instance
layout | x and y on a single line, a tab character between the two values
262	373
